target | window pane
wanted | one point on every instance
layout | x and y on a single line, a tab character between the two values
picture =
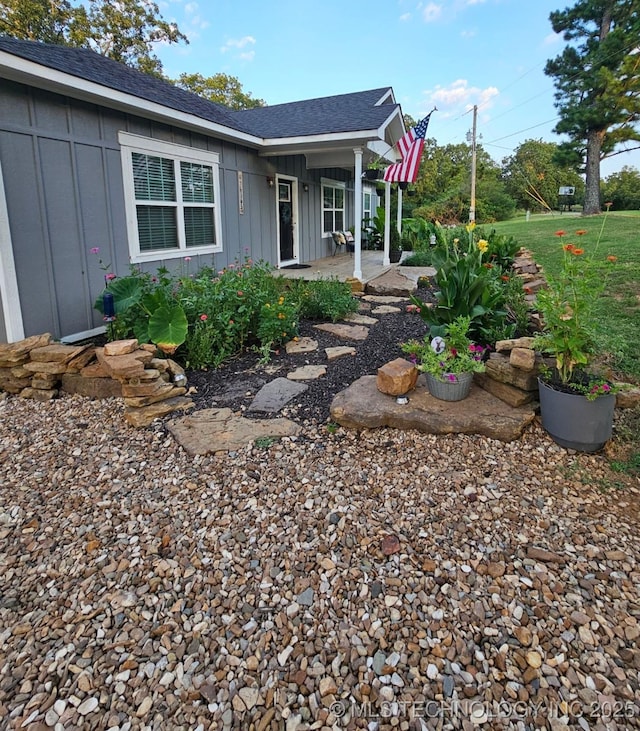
153	178
327	196
339	192
198	226
157	228
197	183
328	221
339	221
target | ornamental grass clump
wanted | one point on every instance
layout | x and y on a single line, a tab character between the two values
568	307
448	357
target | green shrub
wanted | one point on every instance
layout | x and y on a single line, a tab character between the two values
324	299
418	259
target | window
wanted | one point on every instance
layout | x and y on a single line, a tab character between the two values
171	198
366	206
332	207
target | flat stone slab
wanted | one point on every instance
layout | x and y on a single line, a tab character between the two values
216	430
385	310
302	345
339	351
275	395
361	406
307	373
383	299
345	332
357	319
392	282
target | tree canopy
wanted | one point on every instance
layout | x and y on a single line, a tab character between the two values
220	88
597	79
125	30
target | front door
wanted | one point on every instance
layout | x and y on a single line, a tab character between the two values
287	221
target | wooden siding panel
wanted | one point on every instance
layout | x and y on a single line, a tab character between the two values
52	113
28	231
15	108
85	122
64	228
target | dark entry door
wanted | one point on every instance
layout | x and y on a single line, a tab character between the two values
286	220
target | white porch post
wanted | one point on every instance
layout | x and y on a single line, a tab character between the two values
387	223
13	322
357	213
399	213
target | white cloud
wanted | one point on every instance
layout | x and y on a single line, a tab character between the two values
468	34
405	17
552	39
432	12
459	97
247	56
238	43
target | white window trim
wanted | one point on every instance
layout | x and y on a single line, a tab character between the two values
331	184
130	143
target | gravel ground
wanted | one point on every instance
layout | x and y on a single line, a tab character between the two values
378	580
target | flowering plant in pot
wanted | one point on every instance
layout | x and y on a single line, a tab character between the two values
449	362
576	403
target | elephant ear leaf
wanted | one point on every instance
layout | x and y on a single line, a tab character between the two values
126	292
168	328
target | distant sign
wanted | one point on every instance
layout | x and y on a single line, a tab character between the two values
566	190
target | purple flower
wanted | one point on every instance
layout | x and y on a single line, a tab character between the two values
95	250
452	377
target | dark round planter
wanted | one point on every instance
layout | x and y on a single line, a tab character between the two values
395	256
403	185
372	174
574	422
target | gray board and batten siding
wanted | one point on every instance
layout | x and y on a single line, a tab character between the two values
66	196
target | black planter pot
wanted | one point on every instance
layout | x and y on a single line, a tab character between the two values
394	256
574	422
372	174
403	185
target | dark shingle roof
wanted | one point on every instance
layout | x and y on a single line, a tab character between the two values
341	113
334	114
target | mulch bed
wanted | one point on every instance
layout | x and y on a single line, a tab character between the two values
236	382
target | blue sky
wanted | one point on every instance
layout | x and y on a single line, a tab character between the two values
451	54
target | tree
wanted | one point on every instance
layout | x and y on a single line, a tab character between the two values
219	88
597	79
36	20
622	189
533	176
125	30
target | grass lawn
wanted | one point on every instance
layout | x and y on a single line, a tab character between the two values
619	307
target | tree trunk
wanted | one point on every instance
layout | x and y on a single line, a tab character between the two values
592	182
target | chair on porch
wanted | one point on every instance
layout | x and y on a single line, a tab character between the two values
342	238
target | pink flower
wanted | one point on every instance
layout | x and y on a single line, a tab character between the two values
204	318
452	377
240	293
187	258
95	250
109	277
230	322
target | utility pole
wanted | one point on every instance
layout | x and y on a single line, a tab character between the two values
472	206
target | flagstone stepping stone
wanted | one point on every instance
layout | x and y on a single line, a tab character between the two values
219	430
302	345
339	351
385	310
275	395
346	332
357	319
307	373
361	405
393	282
380	299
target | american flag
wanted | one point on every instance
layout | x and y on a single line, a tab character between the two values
410	147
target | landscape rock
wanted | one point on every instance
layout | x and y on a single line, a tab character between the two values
345	332
509	394
97	388
523	358
307	373
276	394
397	377
393	282
302	345
140	417
361	405
339	351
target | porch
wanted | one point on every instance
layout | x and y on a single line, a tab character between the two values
340	266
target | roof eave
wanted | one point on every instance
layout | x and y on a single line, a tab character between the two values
16	68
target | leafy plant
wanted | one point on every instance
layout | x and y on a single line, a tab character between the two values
449	356
568	308
324	299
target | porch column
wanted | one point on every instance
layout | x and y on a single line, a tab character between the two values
399	216
387	223
357	214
